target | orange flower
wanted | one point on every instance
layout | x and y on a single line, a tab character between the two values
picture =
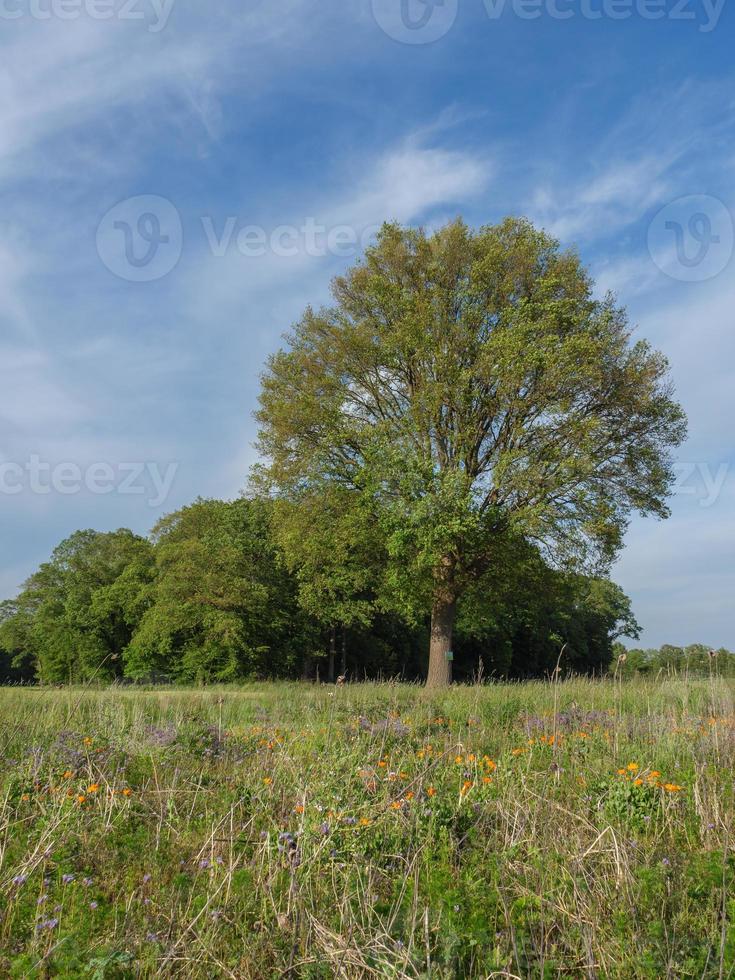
25	797
267	780
467	786
638	782
395	805
127	791
408	796
672	787
458	760
81	799
68	774
632	767
365	822
487	779
298	809
93	788
431	791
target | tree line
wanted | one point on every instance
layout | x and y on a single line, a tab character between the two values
215	593
450	455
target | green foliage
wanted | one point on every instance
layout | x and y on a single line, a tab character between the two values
465	387
75	616
223	605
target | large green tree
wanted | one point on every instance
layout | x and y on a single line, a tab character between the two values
467	386
75	616
222	605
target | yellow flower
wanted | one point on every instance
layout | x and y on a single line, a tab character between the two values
672	787
93	788
632	767
365	822
127	791
395	805
458	760
88	740
267	780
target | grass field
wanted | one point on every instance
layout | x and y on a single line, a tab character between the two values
580	829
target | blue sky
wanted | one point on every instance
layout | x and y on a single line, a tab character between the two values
260	142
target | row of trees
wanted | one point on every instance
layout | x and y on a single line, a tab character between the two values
697	658
456	443
223	590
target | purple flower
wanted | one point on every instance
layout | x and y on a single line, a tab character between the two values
93	905
67	879
20	879
146	879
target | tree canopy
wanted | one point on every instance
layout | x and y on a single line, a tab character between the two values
468	391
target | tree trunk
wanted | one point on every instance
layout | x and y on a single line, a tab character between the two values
442	628
332	652
343	670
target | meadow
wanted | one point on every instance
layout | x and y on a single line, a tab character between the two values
582	828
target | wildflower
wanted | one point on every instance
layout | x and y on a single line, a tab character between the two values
365	822
93	788
487	779
67	879
127	791
638	782
472	758
267	780
395	805
298	809
431	791
408	796
621	772
458	760
632	767
81	799
93	905
673	787
25	797
20	879
88	740
467	786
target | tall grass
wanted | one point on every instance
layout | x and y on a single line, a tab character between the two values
574	829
